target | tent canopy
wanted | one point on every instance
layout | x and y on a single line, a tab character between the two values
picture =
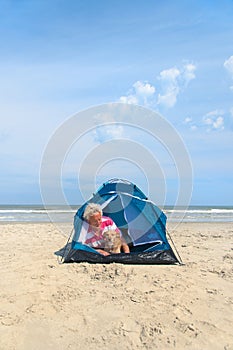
141	222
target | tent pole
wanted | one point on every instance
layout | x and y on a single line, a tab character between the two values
62	257
180	262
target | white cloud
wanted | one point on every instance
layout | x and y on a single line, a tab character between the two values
108	132
169	98
188	73
142	93
169	75
173	81
187	120
207	121
215	113
214	120
130	99
218	123
170	84
228	64
144	89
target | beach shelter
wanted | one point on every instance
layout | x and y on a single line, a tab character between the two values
141	222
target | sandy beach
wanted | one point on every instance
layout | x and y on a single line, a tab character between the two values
47	305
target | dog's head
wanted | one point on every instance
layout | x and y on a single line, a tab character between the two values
110	236
112	241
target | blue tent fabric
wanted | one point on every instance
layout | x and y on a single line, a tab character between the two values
142	223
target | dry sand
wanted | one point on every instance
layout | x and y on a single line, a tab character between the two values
47	305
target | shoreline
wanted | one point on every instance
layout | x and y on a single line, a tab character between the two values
169	223
60	214
44	304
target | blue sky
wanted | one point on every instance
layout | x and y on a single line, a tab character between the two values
58	58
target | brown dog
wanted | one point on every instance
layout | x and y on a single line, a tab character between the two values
112	242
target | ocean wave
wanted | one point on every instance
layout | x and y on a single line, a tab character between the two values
66	214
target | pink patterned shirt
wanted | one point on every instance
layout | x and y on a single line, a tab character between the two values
96	240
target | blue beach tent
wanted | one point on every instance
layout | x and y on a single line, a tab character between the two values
142	224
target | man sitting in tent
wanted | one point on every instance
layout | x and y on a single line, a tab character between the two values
98	226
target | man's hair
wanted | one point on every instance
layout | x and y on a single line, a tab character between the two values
91	209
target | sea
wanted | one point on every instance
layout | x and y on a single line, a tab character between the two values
65	214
